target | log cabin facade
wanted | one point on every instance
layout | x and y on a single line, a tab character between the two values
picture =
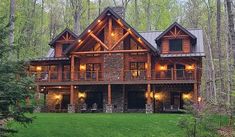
117	69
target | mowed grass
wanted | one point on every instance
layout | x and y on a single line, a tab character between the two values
102	125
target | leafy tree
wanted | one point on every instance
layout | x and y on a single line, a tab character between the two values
15	87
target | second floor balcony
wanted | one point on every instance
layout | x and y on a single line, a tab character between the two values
124	75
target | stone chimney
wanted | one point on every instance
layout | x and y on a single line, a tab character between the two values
119	10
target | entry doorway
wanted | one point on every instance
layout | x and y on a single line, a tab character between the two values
176	100
136	100
94	97
65	101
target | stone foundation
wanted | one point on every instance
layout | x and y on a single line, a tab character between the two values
37	109
108	108
71	108
149	108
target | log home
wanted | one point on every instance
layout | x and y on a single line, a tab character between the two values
110	67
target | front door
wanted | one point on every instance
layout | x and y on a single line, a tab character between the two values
176	101
65	101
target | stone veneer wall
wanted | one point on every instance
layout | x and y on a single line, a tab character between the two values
113	63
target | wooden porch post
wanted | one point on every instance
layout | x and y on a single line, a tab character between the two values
71	95
72	68
148	93
195	92
109	95
148	66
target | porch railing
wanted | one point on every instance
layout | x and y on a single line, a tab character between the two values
124	75
174	74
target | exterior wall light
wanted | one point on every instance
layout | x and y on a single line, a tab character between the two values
58	97
199	99
190	67
112	34
99	21
163	67
187	96
38	68
83	67
82	95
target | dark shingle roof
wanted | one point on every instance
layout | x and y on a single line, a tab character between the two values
198	33
59	35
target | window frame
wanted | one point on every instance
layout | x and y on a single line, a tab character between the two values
173	46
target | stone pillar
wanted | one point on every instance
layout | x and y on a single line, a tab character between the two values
37	109
37	98
71	106
109	106
149	108
149	105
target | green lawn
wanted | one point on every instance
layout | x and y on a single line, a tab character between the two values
102	125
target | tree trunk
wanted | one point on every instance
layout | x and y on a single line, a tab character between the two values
219	49
231	26
212	66
12	23
99	6
88	11
148	21
136	14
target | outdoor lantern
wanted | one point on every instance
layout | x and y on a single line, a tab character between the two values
112	34
99	21
81	95
38	68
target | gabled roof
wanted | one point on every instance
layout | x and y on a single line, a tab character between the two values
172	26
107	11
62	33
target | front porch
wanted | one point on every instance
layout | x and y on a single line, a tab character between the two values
117	98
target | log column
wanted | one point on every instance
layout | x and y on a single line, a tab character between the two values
148	66
109	104
71	106
72	68
149	105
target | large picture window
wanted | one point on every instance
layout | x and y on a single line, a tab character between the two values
92	70
175	44
137	68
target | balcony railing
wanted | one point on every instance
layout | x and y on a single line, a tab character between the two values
126	75
174	74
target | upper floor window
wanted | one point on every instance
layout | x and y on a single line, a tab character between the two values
96	47
135	46
64	47
137	68
175	45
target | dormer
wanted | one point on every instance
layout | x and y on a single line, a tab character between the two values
62	41
176	39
